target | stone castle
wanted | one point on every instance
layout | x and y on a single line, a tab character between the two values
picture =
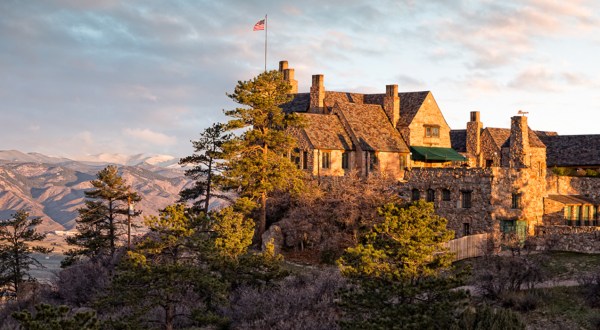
482	179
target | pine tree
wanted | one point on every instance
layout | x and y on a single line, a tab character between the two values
257	160
168	276
103	219
16	234
57	318
402	273
208	152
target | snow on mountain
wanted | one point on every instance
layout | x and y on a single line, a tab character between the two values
133	160
53	188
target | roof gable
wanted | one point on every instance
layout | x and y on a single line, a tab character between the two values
501	137
370	127
325	132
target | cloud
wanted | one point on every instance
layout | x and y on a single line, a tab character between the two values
149	136
535	78
499	33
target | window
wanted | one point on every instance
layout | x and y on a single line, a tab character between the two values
516	201
372	160
432	131
430	197
586	213
415	195
305	160
465	199
446	195
326	159
296	157
489	162
345	160
402	162
466	229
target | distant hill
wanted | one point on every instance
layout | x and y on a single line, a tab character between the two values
53	187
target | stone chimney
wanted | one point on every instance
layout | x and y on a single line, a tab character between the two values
317	94
474	127
519	142
288	75
391	104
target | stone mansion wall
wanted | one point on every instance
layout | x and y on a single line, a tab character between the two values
477	200
461	195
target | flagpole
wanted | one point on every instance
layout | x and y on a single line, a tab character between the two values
266	42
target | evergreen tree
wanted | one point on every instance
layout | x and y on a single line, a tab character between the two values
103	219
16	234
207	167
168	277
257	160
401	272
49	317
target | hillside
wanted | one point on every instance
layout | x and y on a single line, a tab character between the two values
53	188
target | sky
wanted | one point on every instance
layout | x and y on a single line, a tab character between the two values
80	78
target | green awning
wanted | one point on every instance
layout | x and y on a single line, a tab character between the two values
436	154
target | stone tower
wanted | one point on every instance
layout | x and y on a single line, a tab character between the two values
317	94
288	75
474	127
391	104
519	142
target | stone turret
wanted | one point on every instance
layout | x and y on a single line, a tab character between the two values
288	75
391	104
474	127
317	94
519	142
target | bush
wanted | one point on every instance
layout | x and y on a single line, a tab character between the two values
488	318
306	301
521	301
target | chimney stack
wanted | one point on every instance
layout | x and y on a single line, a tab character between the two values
519	142
288	75
474	128
317	94
391	104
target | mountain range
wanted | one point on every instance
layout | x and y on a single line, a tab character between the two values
53	187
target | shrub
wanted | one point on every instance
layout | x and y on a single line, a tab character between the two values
305	301
488	318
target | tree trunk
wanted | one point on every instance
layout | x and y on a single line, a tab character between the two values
262	222
208	184
169	316
111	228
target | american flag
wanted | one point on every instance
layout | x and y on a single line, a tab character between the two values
259	26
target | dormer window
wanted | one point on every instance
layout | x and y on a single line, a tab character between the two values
432	131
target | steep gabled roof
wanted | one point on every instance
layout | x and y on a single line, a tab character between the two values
572	150
371	127
501	137
410	102
300	103
458	139
326	132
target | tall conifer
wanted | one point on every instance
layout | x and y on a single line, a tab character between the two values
258	161
103	219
